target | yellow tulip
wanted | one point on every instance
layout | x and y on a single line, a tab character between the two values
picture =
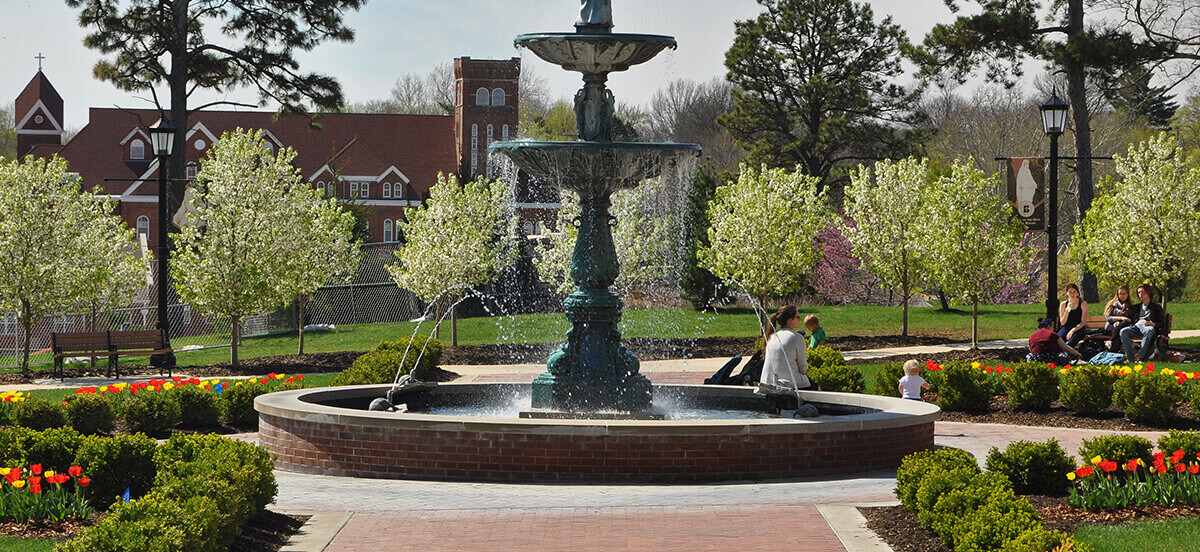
1097	459
19	483
1071	476
168	385
48	473
4	471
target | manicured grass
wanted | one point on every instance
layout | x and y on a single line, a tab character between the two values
995	322
13	544
1181	534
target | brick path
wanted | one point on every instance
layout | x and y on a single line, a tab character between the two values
684	529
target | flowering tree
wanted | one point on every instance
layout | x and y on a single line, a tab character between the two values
114	273
646	235
839	277
462	236
975	237
762	230
1147	227
56	242
244	249
889	226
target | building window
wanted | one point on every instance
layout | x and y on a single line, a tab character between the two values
497	98
398	191
143	227
192	171
137	149
332	187
354	189
387	190
387	230
474	131
364	189
504	132
528	228
490	135
474	161
482	96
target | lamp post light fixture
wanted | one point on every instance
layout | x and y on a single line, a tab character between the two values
162	137
1054	119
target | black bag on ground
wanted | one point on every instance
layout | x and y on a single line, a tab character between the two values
751	371
1089	348
721	377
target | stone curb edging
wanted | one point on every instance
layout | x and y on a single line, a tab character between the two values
317	532
851	527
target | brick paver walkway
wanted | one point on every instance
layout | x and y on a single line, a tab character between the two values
683	529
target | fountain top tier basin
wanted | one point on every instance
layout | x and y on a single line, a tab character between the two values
329	431
594	169
595	53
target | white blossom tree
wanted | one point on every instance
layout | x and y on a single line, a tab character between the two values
55	240
761	231
1145	226
461	237
974	236
646	237
251	226
889	227
115	272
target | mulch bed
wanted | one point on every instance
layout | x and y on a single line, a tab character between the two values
265	532
898	526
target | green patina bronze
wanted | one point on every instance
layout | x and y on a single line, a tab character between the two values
592	372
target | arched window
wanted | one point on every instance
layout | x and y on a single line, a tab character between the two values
504	132
143	227
387	190
387	230
398	191
497	98
332	187
365	190
137	149
482	96
192	171
528	226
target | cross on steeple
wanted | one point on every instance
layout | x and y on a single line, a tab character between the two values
39	57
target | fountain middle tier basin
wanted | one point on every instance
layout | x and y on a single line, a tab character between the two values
598	168
329	431
595	53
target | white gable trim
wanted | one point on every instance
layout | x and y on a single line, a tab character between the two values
132	133
320	171
393	169
141	179
273	139
199	127
33	110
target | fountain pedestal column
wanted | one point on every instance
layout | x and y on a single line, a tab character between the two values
592	371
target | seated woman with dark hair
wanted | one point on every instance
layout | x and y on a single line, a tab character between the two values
1045	345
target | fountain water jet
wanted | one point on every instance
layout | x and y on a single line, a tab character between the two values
593	372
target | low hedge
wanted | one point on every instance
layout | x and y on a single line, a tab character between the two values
115	464
390	359
1087	389
91	414
1187	441
1117	448
838	377
1148	397
237	403
151	412
963	387
1031	386
1033	468
886	380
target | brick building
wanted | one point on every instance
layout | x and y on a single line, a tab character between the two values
384	161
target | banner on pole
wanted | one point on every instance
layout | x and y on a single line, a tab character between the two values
1026	175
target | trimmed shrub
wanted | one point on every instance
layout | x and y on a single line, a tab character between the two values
963	387
197	407
1150	398
937	484
117	463
956	505
1040	539
246	467
12	446
838	377
1117	448
151	412
91	414
1033	468
994	524
1087	389
55	449
886	380
39	414
1193	392
915	467
1031	386
237	403
824	356
289	386
382	364
1187	441
153	523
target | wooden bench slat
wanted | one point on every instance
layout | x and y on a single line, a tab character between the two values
108	344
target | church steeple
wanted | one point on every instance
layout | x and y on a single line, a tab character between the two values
39	115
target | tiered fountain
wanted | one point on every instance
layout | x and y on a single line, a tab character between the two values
591	416
593	375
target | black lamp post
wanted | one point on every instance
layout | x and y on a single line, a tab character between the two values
1054	119
162	136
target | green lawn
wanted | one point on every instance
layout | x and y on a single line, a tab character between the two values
1181	534
13	544
995	322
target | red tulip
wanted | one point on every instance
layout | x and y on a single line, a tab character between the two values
1180	467
299	376
1108	465
84	481
1132	465
35	488
1161	468
1158	456
1084	471
1176	456
13	475
263	381
35	480
1194	469
36	469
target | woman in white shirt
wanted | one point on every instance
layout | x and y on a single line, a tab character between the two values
785	362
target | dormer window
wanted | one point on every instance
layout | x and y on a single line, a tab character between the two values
143	227
497	98
137	149
482	96
364	190
192	171
387	190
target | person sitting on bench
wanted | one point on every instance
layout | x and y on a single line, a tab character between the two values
1116	316
1149	319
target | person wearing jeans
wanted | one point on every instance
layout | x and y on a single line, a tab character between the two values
1149	318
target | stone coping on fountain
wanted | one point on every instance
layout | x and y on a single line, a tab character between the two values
317	438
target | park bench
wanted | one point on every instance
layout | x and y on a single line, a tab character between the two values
107	344
1095	331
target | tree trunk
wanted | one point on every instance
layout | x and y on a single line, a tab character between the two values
943	300
300	321
974	322
235	333
904	296
1077	96
177	80
454	325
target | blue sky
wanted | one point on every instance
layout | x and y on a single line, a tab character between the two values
412	36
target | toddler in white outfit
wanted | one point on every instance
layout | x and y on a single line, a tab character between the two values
912	383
